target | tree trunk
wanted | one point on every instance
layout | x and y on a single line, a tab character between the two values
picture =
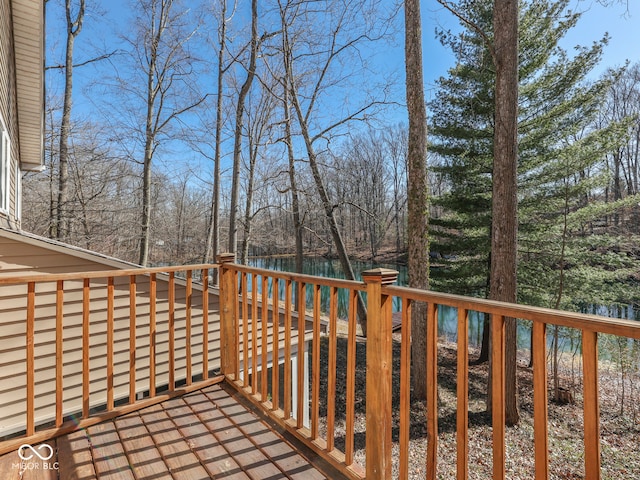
145	221
484	346
62	215
417	191
295	202
213	235
246	237
149	146
504	201
237	138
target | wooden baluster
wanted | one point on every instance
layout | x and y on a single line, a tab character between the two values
331	373
432	390
379	371
152	335
540	400
188	306
86	354
172	331
265	337
302	350
110	328
498	394
275	350
59	350
132	338
315	367
254	334
287	349
31	357
245	329
235	314
205	322
351	377
591	405
405	387
462	417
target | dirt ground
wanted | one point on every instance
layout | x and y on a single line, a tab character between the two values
620	431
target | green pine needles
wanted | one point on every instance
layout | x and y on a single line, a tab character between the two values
574	248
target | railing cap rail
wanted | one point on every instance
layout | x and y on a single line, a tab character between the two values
300	277
53	277
563	318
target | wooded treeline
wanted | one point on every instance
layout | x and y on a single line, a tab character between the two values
212	129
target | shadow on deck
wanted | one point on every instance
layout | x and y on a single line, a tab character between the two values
209	433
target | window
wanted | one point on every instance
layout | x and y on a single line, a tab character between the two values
5	164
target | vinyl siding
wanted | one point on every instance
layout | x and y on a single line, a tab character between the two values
8	107
20	259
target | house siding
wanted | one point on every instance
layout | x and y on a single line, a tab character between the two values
8	107
24	258
7	71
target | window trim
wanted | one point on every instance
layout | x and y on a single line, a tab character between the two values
5	169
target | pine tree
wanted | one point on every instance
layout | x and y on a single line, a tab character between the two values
461	138
560	157
566	254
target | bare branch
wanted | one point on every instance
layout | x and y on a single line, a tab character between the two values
489	44
87	62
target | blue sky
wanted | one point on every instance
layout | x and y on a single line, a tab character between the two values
622	25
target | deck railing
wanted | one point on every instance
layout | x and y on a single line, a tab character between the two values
81	348
240	318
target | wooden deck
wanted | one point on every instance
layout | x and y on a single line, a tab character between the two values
205	434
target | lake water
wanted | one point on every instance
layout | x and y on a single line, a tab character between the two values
447	316
318	266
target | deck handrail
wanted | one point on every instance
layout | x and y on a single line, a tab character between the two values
92	274
379	292
260	325
126	303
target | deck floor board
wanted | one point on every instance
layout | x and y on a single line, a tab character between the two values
204	434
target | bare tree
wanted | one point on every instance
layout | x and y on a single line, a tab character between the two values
396	140
312	66
74	27
213	230
161	80
293	181
360	184
237	137
259	133
623	102
100	188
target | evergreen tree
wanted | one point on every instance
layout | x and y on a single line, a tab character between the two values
564	260
461	137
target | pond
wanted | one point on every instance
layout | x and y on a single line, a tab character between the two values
322	267
447	316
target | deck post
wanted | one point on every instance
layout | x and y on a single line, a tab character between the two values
379	366
228	330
